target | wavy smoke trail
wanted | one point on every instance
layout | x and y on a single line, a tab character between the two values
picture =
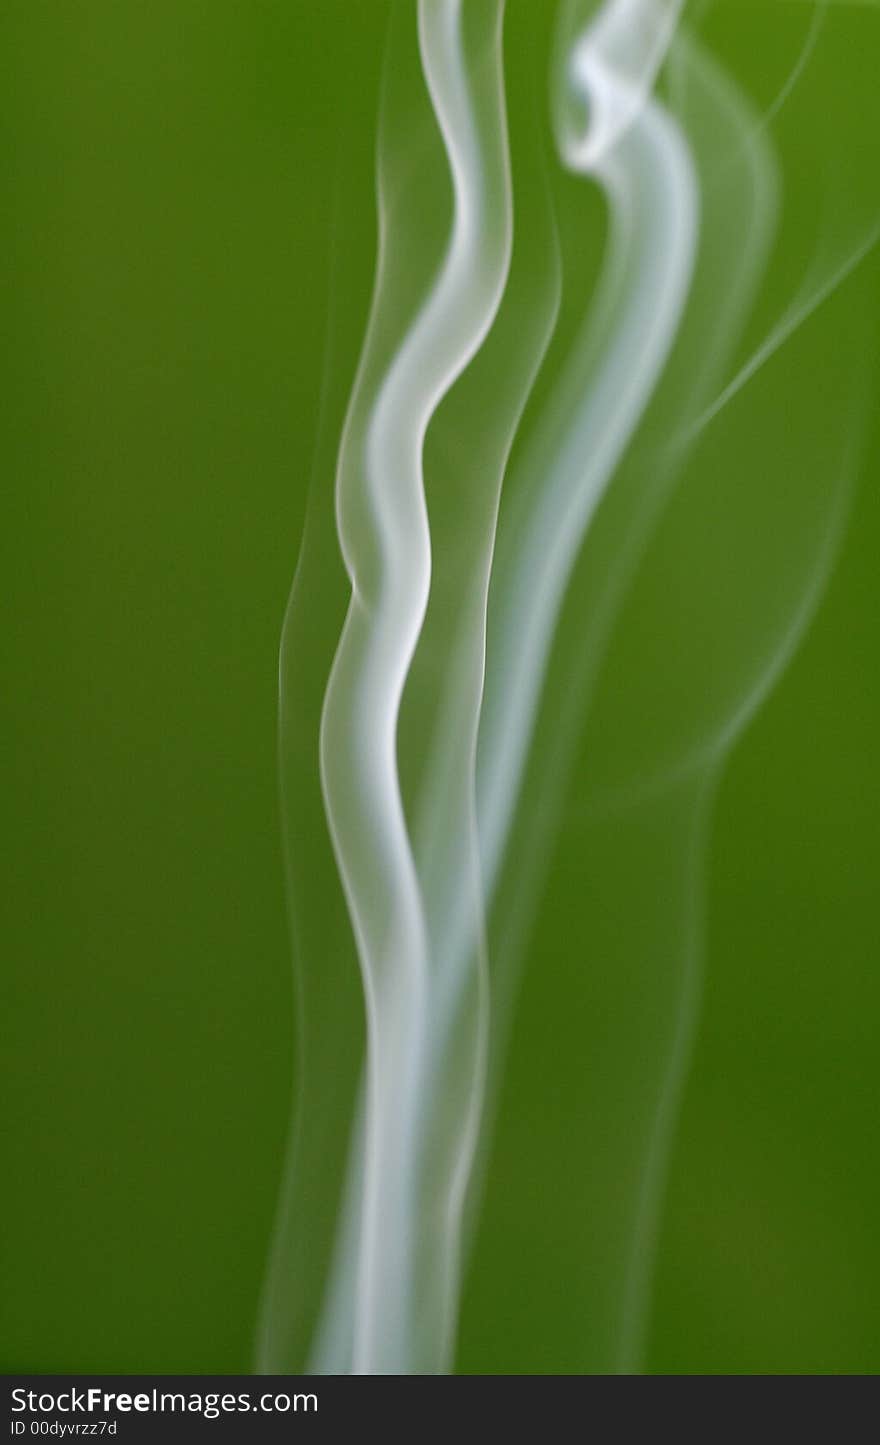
653	750
453	718
385	539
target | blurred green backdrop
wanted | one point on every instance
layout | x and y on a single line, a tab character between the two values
168	171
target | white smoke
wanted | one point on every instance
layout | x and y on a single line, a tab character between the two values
385	539
457	594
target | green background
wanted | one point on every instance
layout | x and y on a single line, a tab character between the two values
168	171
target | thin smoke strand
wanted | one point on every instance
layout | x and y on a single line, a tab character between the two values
477	424
748	132
737	230
269	1353
652	194
380	488
490	404
749	135
706	770
700	770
